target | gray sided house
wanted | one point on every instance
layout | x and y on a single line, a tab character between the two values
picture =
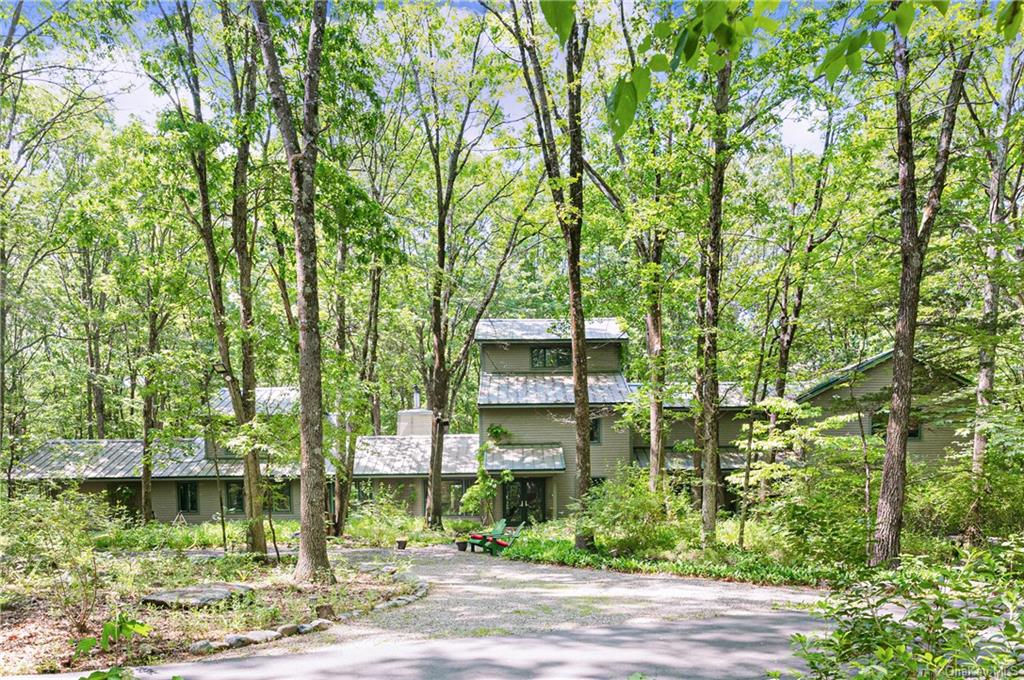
525	402
525	425
186	472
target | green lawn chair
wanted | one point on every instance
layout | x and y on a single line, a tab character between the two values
497	544
483	540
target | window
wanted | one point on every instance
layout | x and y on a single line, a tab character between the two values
364	490
550	357
188	497
595	430
880	422
279	496
452	491
234	497
597	481
642	456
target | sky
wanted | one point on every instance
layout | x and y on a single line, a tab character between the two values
131	97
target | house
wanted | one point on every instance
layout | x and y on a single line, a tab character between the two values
525	425
186	471
525	406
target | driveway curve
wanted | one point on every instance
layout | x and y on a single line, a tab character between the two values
487	617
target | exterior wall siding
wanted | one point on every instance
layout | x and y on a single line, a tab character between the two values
165	501
555	425
871	390
515	358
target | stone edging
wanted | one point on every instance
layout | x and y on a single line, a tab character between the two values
256	637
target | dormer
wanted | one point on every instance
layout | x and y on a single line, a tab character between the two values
543	345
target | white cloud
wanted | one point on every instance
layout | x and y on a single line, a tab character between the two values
801	130
128	91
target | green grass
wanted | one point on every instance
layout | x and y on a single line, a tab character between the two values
162	536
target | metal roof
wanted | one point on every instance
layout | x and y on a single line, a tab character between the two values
551	330
270	401
676	461
383	456
531	389
730	395
122	459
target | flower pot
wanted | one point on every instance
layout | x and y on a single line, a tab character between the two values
461	545
401	543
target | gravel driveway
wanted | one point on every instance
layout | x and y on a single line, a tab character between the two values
488	617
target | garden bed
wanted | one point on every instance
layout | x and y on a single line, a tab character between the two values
35	637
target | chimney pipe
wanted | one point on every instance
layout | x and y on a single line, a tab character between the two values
416	396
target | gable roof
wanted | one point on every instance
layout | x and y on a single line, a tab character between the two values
546	330
539	389
122	459
847	372
270	401
409	456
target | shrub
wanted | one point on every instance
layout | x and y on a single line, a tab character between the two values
47	536
382	520
479	498
938	505
965	620
626	517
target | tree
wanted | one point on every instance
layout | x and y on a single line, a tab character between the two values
1006	111
182	65
565	184
454	102
915	233
301	154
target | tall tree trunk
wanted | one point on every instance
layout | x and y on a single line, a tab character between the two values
990	294
712	255
437	387
572	231
569	209
341	478
244	103
4	262
656	373
241	394
149	420
913	247
313	564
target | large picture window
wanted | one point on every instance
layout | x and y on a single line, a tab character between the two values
550	357
188	497
234	497
279	496
452	491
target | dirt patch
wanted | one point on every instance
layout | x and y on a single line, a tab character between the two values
35	638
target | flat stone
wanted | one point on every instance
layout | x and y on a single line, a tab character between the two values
200	647
288	629
258	637
324	611
200	595
235	641
313	626
207	646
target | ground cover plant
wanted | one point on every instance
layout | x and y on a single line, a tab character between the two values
59	588
808	533
964	619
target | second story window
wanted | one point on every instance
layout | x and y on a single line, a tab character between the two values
550	357
595	430
880	422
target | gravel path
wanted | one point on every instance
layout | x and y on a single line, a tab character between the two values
487	617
